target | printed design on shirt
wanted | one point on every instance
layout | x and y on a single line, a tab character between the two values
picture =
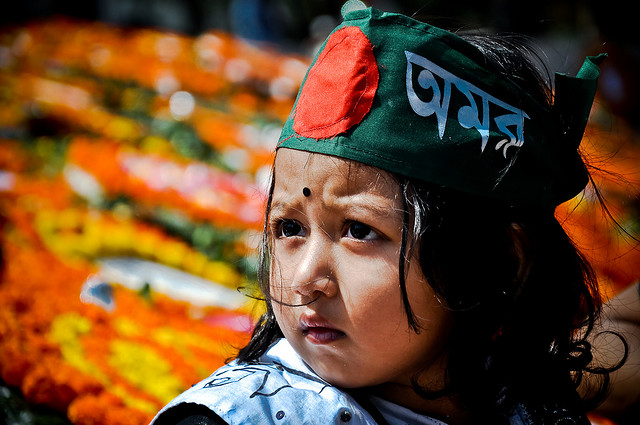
267	376
424	78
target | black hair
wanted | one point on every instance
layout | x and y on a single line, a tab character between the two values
519	291
524	299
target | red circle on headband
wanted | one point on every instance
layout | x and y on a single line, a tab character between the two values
339	88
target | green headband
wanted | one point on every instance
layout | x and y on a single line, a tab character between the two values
392	92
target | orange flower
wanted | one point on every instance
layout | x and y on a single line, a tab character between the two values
53	383
63	353
104	408
201	191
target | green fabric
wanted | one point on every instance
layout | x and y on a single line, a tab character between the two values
493	139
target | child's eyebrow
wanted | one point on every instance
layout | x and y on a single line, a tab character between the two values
282	207
359	204
384	208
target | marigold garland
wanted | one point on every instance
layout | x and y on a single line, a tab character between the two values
89	233
199	190
57	349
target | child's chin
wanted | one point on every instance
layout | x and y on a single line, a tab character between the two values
346	379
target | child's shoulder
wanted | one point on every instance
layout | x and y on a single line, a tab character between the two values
280	386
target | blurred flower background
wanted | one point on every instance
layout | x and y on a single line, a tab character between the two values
135	144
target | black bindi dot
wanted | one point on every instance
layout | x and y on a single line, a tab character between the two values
306	192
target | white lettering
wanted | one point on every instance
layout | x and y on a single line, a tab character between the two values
474	115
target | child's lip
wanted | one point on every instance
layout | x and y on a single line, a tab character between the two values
314	320
318	330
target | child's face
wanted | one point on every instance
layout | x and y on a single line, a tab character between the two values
335	274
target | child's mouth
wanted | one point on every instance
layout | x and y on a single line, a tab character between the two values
322	335
317	330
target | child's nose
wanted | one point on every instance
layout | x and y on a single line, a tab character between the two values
314	274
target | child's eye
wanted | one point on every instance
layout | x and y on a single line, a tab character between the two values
289	228
357	230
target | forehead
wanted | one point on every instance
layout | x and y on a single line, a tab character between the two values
294	169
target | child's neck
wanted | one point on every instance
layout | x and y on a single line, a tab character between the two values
447	409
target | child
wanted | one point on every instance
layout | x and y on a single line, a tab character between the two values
413	269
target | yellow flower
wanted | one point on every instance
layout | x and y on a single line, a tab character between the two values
127	327
147	243
66	330
194	262
221	273
145	368
171	252
132	401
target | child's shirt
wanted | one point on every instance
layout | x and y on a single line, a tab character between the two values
282	389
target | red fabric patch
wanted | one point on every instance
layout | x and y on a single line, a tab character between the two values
339	89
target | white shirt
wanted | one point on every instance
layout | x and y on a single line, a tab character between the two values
281	389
